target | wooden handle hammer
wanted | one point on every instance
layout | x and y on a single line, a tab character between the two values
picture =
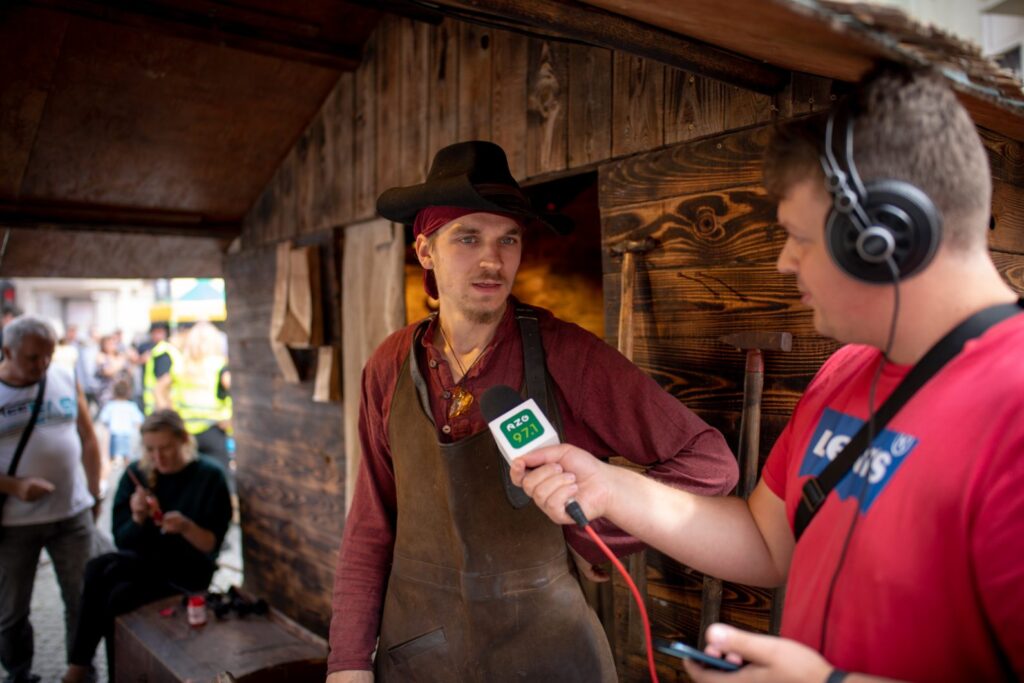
628	249
754	343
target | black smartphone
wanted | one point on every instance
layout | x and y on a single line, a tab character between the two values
684	651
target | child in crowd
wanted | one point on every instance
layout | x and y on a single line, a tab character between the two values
122	417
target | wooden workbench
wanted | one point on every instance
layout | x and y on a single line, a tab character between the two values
157	649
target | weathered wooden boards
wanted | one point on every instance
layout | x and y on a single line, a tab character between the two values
373	306
38	252
710	273
291	478
679	162
713	273
552	106
296	319
327	385
151	647
279	313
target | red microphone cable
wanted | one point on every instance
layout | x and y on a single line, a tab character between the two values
576	512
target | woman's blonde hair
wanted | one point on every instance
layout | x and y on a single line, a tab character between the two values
203	341
165	420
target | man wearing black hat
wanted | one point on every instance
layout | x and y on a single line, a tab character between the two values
460	581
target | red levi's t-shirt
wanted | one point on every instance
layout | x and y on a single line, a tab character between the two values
934	574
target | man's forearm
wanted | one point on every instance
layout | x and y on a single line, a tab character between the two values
715	535
92	460
93	463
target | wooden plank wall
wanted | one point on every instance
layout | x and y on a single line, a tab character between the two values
291	483
712	273
678	160
554	107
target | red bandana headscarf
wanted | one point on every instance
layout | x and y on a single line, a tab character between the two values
431	219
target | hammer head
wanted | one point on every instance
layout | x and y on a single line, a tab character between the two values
763	341
632	246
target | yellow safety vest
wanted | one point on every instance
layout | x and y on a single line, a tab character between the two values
226	405
149	372
195	395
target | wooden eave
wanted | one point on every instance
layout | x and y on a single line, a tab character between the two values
835	40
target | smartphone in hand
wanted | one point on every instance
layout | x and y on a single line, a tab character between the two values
684	651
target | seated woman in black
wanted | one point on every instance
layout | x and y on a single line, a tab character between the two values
168	530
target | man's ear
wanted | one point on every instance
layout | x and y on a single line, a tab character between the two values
422	247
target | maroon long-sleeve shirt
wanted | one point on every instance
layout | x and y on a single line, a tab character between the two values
607	406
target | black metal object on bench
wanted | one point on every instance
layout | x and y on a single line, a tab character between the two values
254	649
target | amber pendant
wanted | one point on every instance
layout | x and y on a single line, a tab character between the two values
461	401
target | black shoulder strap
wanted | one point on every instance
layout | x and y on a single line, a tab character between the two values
535	374
29	426
534	366
25	434
816	490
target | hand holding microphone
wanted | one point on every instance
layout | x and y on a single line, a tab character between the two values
551	473
567	483
558	475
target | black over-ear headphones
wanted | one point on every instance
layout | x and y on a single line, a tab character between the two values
870	224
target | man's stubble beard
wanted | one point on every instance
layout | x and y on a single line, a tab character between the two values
484	317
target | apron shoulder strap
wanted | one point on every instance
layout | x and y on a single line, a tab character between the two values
534	365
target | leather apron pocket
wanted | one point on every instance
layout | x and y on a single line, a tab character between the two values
432	643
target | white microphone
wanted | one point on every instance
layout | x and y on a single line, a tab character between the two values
517	425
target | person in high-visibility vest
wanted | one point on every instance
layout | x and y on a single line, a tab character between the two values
156	372
195	382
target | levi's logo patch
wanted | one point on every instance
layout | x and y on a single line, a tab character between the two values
878	464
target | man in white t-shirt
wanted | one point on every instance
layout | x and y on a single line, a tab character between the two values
51	496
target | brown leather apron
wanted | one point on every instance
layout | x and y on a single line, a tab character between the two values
479	591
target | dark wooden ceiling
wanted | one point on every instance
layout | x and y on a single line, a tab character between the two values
172	115
160	115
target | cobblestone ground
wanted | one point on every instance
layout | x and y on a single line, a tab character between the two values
48	622
48	608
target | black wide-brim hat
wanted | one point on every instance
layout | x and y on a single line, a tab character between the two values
470	175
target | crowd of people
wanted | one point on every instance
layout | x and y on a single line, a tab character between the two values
165	411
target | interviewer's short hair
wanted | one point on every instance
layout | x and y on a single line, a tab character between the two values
908	125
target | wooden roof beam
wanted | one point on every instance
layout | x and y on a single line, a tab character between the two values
574	21
114	219
67	253
259	37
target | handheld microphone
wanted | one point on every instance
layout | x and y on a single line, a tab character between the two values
518	426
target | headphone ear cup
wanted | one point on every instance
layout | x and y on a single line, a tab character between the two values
895	207
841	239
